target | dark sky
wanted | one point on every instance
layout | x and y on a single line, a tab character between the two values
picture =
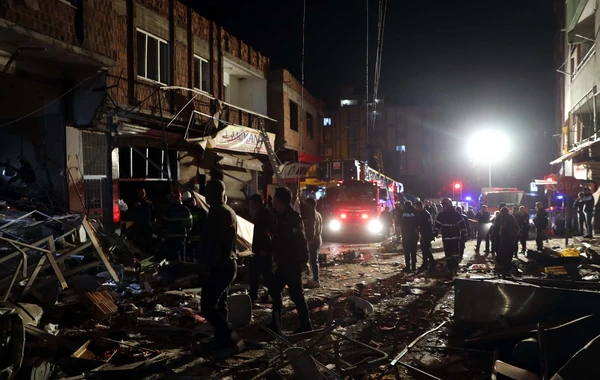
491	62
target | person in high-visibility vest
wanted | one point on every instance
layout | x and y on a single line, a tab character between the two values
177	223
199	215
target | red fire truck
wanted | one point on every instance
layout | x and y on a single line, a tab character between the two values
354	205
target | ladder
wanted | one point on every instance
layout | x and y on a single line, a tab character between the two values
273	159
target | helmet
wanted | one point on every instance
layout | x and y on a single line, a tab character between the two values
187	195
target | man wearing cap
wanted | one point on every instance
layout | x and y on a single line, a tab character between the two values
199	215
177	222
218	252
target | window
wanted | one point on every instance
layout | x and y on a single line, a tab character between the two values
326	121
293	116
328	152
401	148
309	126
400	134
201	74
348	102
152	56
399	118
327	135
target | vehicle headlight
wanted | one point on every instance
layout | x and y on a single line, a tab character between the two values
335	225
375	226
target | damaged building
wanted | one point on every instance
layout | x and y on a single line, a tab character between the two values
104	97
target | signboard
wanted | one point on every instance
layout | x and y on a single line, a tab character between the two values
567	186
293	171
337	165
240	139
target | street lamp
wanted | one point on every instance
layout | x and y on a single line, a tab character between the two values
488	147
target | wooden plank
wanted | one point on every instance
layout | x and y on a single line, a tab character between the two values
34	275
53	263
94	239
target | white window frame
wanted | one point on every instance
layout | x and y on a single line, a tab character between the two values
147	34
199	74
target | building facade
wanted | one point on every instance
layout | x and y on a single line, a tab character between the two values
408	138
131	93
578	79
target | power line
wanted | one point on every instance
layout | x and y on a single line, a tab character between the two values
52	102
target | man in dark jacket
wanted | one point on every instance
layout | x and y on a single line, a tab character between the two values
313	224
261	262
509	229
495	231
144	219
409	226
541	225
431	209
386	221
199	215
426	232
483	219
466	234
177	223
578	205
290	254
588	210
452	226
523	221
219	255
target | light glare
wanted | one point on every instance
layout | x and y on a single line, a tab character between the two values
480	141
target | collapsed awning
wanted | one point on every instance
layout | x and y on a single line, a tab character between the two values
240	139
574	152
291	171
243	161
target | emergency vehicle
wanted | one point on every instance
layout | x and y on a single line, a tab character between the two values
493	196
355	197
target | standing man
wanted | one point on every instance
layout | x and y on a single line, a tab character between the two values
426	231
313	223
578	205
483	218
431	209
472	222
465	235
509	229
219	255
541	224
588	210
290	254
261	262
409	224
177	223
523	222
144	219
495	231
386	221
199	215
452	226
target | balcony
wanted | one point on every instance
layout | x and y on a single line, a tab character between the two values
580	19
584	78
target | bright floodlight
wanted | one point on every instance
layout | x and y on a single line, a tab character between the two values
480	143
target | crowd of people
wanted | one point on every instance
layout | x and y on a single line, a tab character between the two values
285	244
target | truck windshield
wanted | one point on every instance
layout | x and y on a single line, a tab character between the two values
510	198
356	193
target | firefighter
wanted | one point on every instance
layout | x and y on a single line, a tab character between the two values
541	225
199	215
465	236
145	218
509	230
409	225
261	262
177	222
452	227
290	254
483	218
426	232
219	258
313	223
523	221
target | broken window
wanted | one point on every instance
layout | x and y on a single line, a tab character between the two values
134	166
152	57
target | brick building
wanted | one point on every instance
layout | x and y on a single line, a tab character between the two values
130	92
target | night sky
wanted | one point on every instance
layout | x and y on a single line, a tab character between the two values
491	62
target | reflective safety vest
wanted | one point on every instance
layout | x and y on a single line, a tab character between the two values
177	221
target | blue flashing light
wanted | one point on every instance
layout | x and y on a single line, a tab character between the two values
560	197
468	198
